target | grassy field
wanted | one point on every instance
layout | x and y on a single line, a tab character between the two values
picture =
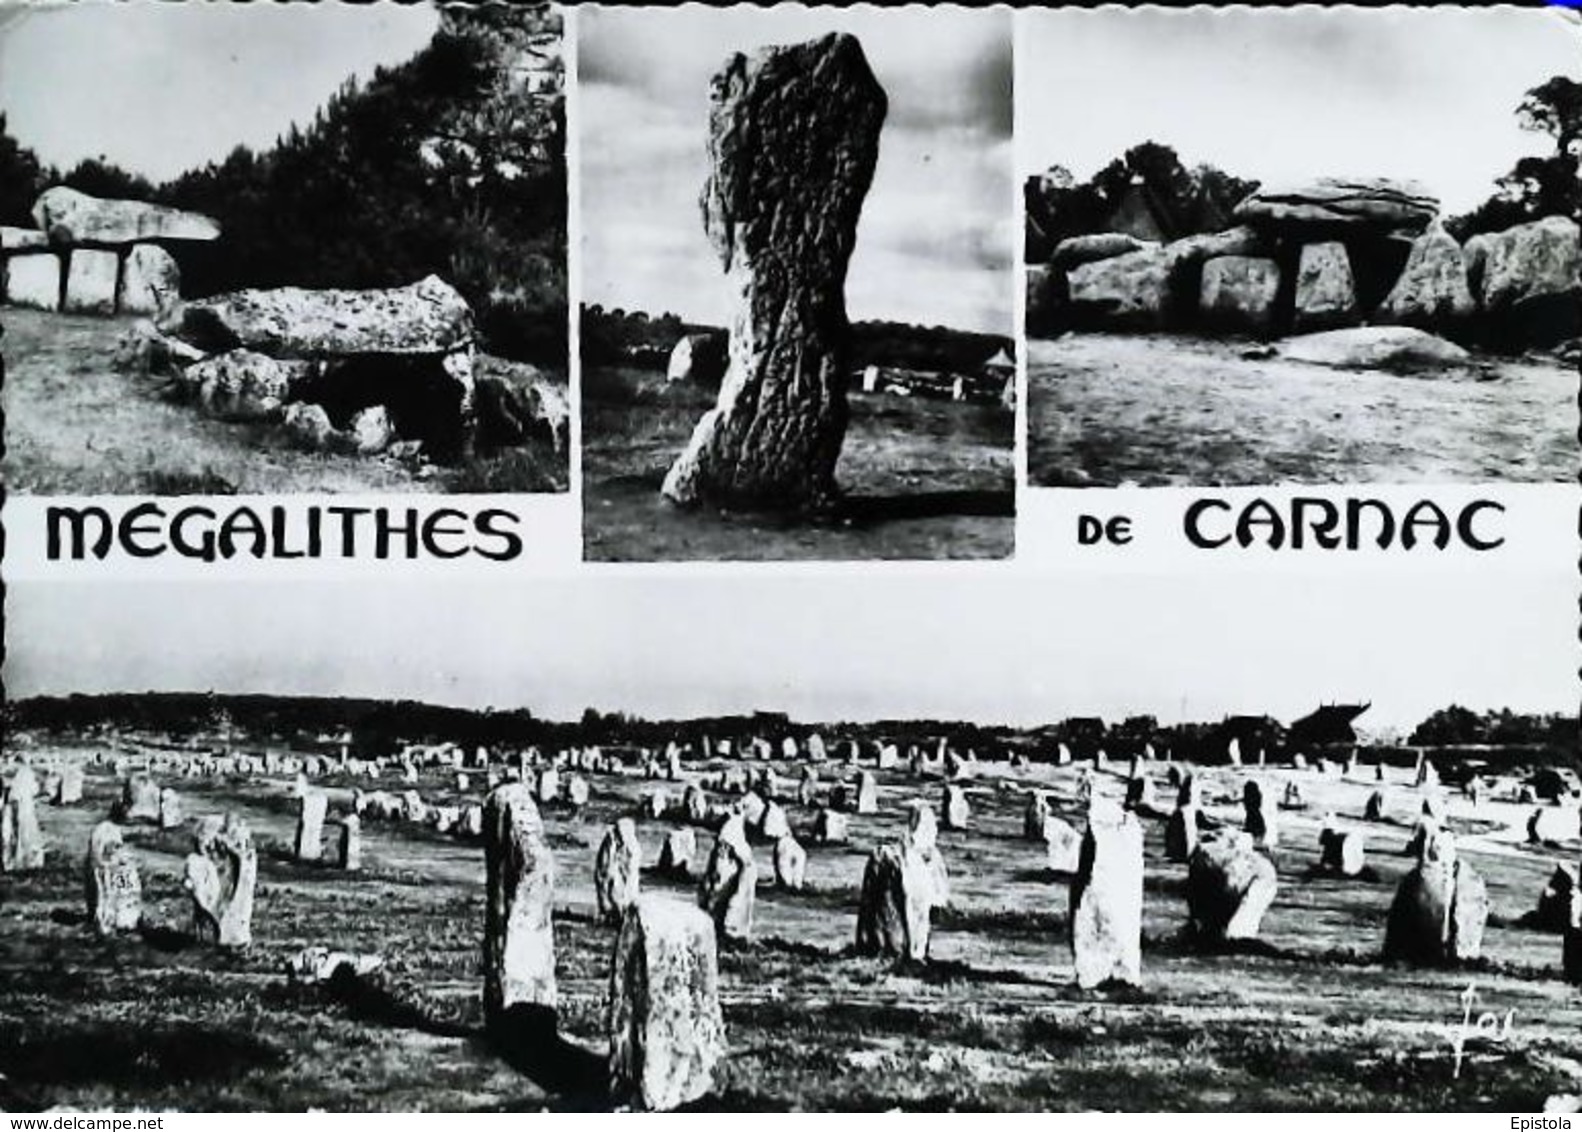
923	479
1106	410
1308	1018
77	426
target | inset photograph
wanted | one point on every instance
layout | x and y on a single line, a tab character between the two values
1317	246
266	249
797	284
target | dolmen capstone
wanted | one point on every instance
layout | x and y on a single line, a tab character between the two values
111	881
793	143
21	839
1440	908
665	1025
617	870
518	929
729	885
1107	898
1230	886
221	874
89	255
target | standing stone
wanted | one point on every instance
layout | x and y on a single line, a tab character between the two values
548	785
695	803
1374	809
21	840
1431	292
1139	793
955	807
730	882
774	824
310	824
221	874
675	855
867	793
1343	852
617	870
1035	816
32	281
1107	900
1261	822
139	799
1181	833
518	931
793	141
666	1029
351	843
1062	845
68	791
169	809
114	889
1326	293
1440	908
829	827
790	863
1530	278
752	807
150	282
1229	888
90	281
894	915
577	791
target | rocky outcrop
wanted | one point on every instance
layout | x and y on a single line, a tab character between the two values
793	141
72	218
1339	203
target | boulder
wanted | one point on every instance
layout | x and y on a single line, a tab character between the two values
1531	281
517	403
1399	348
311	808
896	905
730	881
1238	294
1126	292
790	863
675	855
150	282
698	359
1229	888
1326	292
32	281
21	839
1074	251
793	141
244	385
427	317
221	874
1339	204
371	430
75	218
308	426
110	877
1440	909
1432	292
1107	900
518	928
665	1026
91	278
617	870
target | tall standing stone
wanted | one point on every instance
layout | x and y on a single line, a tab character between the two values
221	874
1440	908
665	1025
518	932
113	887
793	141
351	843
310	824
21	840
730	881
139	799
867	793
675	856
1107	899
1326	293
617	870
170	816
955	807
68	791
896	905
1262	821
790	863
1229	888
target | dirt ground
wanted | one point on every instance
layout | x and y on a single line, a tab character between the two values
77	426
924	479
1106	410
1308	1018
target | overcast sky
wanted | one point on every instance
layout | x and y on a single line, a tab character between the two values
981	642
1281	94
160	88
934	245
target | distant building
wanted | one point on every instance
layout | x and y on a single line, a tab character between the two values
1329	726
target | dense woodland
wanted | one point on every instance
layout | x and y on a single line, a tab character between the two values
451	164
1183	201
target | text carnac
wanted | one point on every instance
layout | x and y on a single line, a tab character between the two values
1351	524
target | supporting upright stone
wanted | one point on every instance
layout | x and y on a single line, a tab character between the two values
21	840
310	824
793	141
617	870
91	277
1107	899
730	882
665	1025
518	930
114	889
221	874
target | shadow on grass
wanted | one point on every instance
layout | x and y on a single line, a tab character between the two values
528	1039
147	1057
872	510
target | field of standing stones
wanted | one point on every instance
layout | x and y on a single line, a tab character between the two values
806	924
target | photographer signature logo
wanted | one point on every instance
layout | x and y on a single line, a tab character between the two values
1488	1026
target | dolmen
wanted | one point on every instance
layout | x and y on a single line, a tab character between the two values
89	255
1440	908
1230	886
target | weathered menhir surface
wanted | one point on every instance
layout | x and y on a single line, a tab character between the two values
793	141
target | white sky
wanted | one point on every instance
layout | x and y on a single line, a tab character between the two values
1284	94
988	642
160	88
934	245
